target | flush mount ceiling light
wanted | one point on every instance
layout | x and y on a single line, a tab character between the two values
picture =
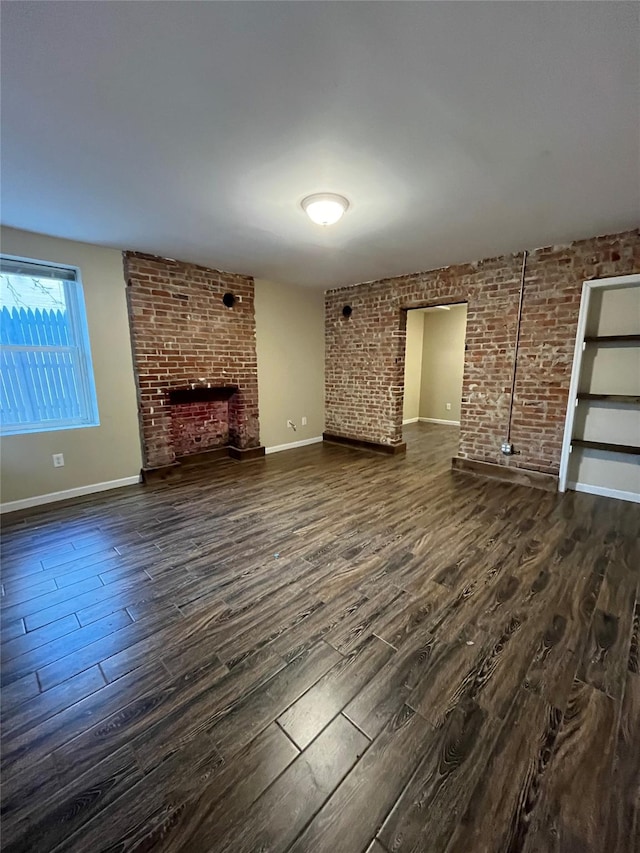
324	208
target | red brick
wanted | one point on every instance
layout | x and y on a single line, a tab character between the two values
365	353
177	342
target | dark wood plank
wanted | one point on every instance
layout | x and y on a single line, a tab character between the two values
553	666
318	624
211	810
497	815
231	728
383	697
37	782
69	809
25	750
18	691
179	643
125	632
364	798
54	656
611	339
510	474
315	587
11	630
210	701
279	815
24	643
141	816
604	660
625	399
443	681
363	621
303	720
137	721
572	812
30	610
41	706
609	447
16	592
606	643
427	812
624	787
86	593
412	615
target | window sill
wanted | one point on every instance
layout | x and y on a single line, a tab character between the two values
24	429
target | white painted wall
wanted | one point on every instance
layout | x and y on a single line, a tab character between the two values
290	350
443	363
93	455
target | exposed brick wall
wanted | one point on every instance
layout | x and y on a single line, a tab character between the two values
182	333
196	427
365	353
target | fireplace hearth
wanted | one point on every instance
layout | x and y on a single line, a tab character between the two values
182	331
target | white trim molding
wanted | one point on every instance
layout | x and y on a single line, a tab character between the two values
438	421
293	444
410	421
68	494
605	492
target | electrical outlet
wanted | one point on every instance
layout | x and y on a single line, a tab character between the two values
58	460
304	420
447	406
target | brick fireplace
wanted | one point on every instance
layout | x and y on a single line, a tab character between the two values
194	360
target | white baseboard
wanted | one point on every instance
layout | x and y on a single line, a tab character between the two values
410	421
604	492
438	421
67	494
293	444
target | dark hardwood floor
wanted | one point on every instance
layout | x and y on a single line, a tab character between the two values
325	650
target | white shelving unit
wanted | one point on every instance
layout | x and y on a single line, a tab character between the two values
601	446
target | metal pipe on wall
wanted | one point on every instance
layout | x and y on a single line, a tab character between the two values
507	446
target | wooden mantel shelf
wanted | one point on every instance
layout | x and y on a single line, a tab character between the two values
605	445
201	393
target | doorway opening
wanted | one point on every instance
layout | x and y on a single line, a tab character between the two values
434	365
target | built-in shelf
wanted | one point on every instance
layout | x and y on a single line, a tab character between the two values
624	399
605	445
201	393
612	339
604	359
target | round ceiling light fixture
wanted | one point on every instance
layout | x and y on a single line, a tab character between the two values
325	208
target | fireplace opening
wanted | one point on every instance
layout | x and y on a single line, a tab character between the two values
199	418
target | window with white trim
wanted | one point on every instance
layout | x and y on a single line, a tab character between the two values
45	359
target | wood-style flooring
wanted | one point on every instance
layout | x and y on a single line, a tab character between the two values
323	651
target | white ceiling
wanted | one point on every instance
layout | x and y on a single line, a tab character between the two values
193	130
